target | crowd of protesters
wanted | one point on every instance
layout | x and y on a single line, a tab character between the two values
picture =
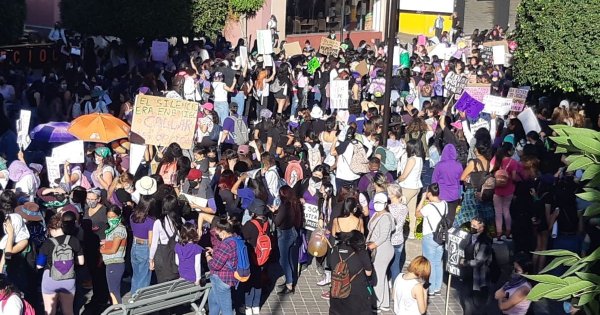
182	213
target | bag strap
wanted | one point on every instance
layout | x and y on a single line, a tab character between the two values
67	239
261	230
53	240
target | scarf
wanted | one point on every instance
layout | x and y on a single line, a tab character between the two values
112	224
515	281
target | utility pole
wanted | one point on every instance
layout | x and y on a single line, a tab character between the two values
391	45
343	14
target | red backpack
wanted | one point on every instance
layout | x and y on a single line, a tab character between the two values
293	173
27	308
263	243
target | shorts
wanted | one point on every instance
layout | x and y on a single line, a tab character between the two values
51	286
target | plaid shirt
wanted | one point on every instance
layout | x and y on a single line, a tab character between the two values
224	261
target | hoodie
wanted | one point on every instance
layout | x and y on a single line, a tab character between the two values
447	174
188	259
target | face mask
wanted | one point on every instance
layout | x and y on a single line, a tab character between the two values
316	179
194	184
379	206
113	223
92	204
473	231
314	185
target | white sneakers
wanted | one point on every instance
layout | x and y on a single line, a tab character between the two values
253	310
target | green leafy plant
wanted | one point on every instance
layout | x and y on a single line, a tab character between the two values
245	9
12	17
580	280
209	16
557	47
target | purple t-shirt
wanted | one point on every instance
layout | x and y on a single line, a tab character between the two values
310	199
187	260
140	230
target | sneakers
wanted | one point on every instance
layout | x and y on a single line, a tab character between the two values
326	280
498	241
384	309
435	293
256	310
503	237
325	295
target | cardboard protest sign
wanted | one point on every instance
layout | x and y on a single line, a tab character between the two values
496	43
72	152
518	95
456	252
478	92
162	121
499	54
497	105
292	49
529	121
338	94
264	42
421	40
160	51
469	105
136	156
53	170
329	47
23	139
362	68
396	57
455	83
311	217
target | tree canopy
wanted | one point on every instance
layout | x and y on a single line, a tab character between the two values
128	19
12	19
558	48
131	19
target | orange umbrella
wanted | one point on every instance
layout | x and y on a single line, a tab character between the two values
99	128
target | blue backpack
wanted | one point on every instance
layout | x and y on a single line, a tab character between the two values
242	271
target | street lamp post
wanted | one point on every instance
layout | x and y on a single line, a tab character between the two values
391	44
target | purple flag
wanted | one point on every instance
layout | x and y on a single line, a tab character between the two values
469	105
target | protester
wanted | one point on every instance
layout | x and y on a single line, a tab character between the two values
410	288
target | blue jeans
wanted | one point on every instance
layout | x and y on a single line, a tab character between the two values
397	261
252	297
141	267
434	252
222	109
295	101
239	99
219	297
288	257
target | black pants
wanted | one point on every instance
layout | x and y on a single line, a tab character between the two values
97	271
472	301
452	205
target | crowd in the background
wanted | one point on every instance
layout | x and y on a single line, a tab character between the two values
269	147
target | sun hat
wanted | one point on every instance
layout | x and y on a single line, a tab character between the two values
30	211
146	186
121	146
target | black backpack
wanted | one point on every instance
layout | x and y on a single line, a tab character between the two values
440	233
483	182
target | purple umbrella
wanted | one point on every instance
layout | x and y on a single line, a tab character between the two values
55	132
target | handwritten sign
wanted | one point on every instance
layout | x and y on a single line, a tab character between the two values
329	47
292	49
362	68
71	152
162	121
497	105
529	121
421	40
455	250
455	83
53	169
311	217
518	95
487	55
267	61
480	123
338	91
469	105
160	51
264	41
477	92
23	139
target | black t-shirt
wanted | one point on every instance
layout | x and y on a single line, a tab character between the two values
48	247
360	260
